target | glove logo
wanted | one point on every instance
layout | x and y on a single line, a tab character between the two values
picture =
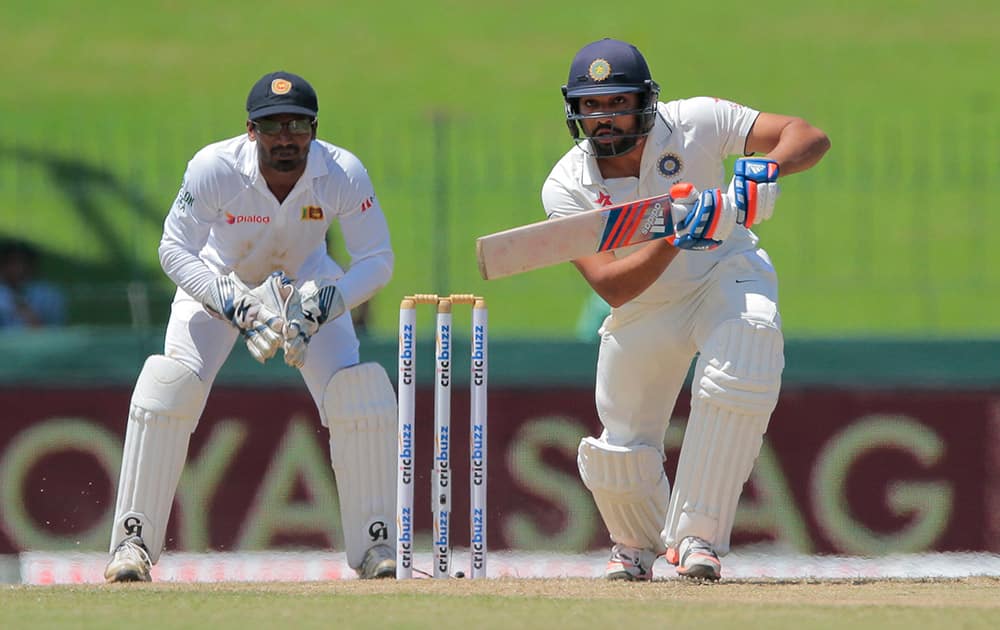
755	168
242	309
669	164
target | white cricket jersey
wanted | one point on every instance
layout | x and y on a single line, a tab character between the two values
688	143
226	219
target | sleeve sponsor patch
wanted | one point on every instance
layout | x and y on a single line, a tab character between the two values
184	199
731	104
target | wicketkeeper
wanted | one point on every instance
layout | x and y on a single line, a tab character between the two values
245	242
712	293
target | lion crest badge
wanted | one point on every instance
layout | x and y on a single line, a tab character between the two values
281	86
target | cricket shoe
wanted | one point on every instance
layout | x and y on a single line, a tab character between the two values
129	562
695	559
379	562
629	563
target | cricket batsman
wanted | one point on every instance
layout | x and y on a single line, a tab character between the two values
712	293
245	242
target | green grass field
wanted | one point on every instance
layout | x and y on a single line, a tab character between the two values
507	603
455	109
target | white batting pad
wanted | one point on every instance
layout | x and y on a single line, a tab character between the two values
360	407
737	379
167	401
630	489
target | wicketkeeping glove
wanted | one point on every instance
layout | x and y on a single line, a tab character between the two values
316	305
257	313
754	189
702	221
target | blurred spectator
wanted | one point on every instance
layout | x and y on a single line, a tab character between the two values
26	301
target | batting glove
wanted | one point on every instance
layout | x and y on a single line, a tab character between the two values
754	189
702	221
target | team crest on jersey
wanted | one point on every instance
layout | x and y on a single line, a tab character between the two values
281	86
312	213
669	164
599	69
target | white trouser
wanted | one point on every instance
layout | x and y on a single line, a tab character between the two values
202	343
644	360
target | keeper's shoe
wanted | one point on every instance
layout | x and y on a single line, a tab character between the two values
379	562
129	562
629	563
695	559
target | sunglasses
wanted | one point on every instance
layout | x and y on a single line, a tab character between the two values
297	126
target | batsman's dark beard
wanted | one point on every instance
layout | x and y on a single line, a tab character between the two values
292	159
622	144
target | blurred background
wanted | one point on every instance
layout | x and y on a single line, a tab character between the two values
888	253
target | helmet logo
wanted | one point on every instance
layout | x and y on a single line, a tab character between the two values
281	86
599	69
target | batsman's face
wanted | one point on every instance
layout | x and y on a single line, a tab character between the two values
283	140
608	130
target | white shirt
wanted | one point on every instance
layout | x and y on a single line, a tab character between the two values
226	219
688	143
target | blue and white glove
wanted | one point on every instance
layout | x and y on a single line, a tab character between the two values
702	221
754	188
316	305
257	313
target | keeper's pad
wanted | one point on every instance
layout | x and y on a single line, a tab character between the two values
630	489
737	379
167	401
360	407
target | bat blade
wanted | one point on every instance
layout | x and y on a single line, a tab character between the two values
563	239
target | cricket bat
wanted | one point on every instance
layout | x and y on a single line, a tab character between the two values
563	239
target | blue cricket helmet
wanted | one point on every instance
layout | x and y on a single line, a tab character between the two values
610	66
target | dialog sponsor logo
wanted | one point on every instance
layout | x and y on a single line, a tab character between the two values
234	219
